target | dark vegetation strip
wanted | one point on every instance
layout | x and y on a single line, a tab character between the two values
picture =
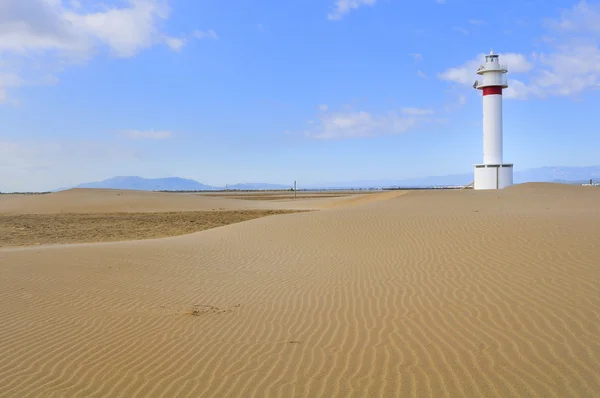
42	229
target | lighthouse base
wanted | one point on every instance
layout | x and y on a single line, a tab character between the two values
493	176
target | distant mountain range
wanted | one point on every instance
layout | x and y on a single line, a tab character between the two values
148	184
170	184
542	174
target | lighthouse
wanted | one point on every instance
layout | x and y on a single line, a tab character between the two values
493	173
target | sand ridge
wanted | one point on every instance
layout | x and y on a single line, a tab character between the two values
103	215
114	200
431	293
62	228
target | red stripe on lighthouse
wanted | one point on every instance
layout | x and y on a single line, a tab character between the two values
492	90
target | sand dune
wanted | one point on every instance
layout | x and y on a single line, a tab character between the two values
114	200
429	293
106	215
61	228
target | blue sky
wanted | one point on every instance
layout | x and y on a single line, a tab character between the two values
274	91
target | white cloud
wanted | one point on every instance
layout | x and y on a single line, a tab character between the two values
570	65
126	30
323	107
175	43
421	74
417	57
209	34
461	30
40	25
466	73
581	18
49	35
463	74
417	111
517	63
36	25
360	124
146	135
440	1
342	7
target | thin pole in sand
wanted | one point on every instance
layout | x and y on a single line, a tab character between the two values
294	189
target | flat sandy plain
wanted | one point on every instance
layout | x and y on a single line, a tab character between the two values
419	293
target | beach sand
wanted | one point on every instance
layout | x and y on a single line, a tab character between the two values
409	294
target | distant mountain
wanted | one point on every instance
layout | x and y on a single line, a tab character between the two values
170	184
149	184
542	174
558	174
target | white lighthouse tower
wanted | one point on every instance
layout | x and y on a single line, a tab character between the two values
492	173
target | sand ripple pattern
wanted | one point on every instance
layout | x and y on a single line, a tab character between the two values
430	294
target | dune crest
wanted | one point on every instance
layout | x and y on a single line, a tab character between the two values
84	200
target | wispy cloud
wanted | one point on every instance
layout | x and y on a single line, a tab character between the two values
343	7
50	35
465	73
336	125
209	34
146	135
174	43
417	57
417	111
570	66
125	30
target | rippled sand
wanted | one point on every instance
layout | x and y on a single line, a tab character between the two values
425	293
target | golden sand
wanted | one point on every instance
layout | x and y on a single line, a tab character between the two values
44	229
425	293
